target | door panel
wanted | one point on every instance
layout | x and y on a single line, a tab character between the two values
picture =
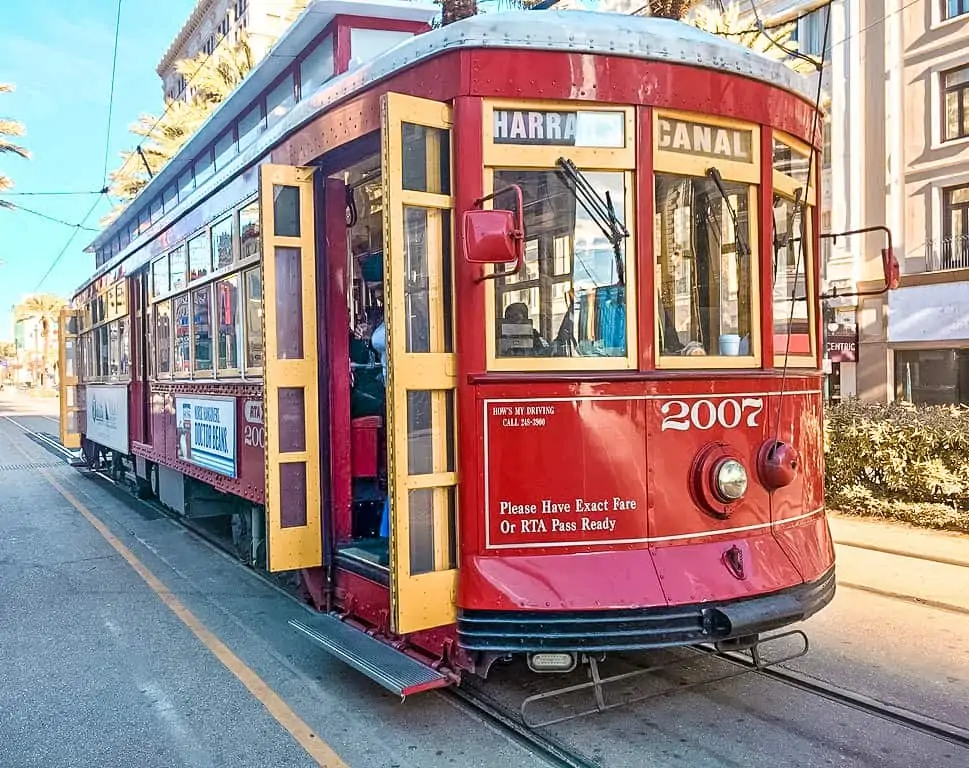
291	388
421	420
67	370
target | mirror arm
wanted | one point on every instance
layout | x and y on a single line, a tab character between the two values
887	253
518	235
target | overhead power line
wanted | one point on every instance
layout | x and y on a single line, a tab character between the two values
77	228
114	70
64	193
17	207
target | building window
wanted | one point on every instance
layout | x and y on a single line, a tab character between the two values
955	8
809	33
932	376
955	228
955	103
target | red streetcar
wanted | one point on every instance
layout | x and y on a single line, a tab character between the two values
502	337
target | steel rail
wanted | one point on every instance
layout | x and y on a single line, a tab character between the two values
915	721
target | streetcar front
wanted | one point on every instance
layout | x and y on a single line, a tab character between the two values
643	415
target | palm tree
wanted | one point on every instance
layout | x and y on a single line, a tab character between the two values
733	23
212	79
455	10
9	128
45	308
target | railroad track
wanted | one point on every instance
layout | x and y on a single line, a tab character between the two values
508	722
488	711
906	718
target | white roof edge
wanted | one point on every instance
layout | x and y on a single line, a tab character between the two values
639	37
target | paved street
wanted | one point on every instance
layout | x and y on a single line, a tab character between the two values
96	670
126	641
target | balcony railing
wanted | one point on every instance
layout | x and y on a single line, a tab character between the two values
947	253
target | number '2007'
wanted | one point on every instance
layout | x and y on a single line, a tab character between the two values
705	414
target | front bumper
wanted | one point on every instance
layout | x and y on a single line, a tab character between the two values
641	628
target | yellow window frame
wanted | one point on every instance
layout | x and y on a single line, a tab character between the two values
781	359
685	164
499	157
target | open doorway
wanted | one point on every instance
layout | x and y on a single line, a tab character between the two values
369	534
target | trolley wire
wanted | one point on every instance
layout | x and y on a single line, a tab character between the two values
168	107
114	71
54	219
60	193
77	229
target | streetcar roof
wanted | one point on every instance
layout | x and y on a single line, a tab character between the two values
640	37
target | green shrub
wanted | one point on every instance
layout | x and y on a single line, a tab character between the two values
899	460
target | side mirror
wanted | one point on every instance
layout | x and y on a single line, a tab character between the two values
890	266
495	236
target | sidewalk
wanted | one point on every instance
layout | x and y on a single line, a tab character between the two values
900	560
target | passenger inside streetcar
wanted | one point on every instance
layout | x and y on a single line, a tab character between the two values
368	374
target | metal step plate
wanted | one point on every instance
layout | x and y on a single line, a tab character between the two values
394	670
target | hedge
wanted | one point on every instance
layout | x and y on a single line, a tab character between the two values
899	461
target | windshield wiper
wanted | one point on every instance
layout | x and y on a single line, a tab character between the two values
601	210
715	177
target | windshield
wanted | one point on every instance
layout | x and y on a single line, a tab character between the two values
570	298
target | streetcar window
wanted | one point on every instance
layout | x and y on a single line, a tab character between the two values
426	159
202	328
230	325
316	68
704	272
199	257
204	168
254	346
159	276
569	300
791	254
103	352
279	101
183	339
124	345
225	149
114	350
177	268
368	44
250	124
222	243
163	337
249	231
170	198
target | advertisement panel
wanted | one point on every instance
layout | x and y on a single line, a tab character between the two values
584	481
206	428
107	416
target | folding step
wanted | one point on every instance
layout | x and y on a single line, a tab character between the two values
394	670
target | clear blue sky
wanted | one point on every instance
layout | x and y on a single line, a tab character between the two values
58	54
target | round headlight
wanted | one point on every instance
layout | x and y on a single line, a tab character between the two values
730	479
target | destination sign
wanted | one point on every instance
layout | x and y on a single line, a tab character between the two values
559	129
689	138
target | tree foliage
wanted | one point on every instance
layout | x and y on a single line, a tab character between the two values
899	460
211	79
10	129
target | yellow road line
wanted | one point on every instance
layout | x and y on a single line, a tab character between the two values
318	749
